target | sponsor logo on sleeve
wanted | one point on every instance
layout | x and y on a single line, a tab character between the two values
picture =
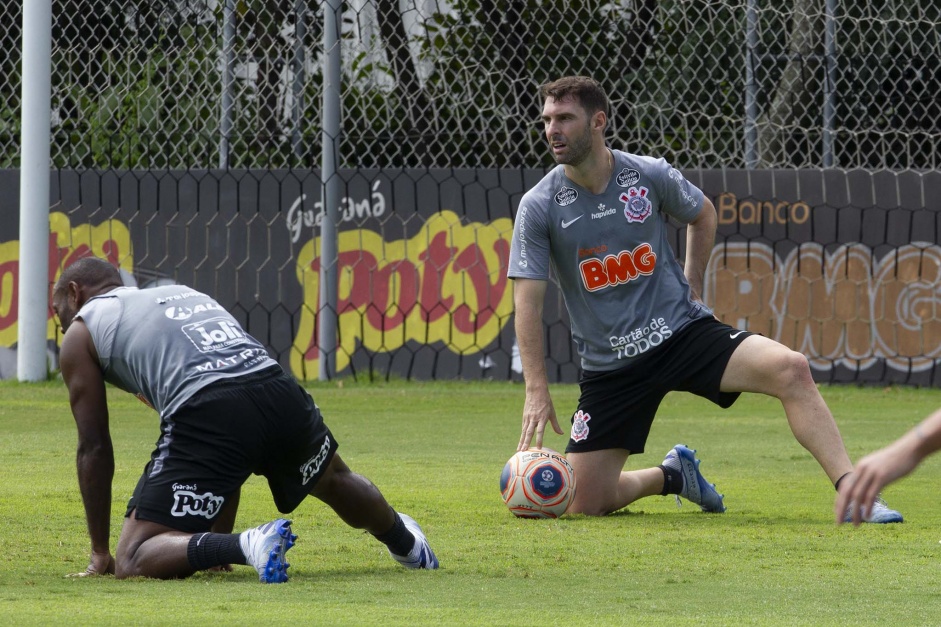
521	236
566	196
682	184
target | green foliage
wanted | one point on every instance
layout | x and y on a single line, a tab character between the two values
436	450
137	84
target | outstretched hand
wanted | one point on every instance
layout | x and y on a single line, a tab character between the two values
99	564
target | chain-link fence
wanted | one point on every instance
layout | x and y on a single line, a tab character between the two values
203	119
431	83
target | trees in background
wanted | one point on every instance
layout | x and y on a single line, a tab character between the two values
137	83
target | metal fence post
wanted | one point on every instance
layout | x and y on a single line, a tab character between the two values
751	85
829	83
327	312
228	68
33	300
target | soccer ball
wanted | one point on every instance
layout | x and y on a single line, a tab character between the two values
537	483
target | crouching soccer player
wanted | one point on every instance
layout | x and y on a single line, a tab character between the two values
227	411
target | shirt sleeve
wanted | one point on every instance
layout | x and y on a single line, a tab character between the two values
529	249
680	199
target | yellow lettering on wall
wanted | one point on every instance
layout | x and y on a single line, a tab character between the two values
446	284
110	240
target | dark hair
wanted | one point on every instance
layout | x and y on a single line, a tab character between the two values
584	89
91	271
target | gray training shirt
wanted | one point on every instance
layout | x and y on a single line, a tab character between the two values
623	286
166	343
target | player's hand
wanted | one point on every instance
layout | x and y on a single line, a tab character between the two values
99	564
537	411
873	472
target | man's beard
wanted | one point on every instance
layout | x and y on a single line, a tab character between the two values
578	149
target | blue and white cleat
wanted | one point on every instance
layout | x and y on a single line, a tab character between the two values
265	547
879	514
421	555
695	486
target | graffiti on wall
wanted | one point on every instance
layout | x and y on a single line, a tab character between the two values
446	284
840	306
109	240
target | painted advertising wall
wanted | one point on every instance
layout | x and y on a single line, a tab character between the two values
844	266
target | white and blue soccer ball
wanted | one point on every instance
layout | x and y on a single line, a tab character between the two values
537	483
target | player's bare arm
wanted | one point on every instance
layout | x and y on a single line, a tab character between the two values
529	297
700	239
94	456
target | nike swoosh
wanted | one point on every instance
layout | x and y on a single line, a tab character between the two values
736	334
567	223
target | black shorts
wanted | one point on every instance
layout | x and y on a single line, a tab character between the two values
616	407
264	424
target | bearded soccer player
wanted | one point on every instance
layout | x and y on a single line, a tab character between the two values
598	221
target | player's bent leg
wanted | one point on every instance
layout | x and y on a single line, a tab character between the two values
762	365
149	549
354	498
361	505
602	486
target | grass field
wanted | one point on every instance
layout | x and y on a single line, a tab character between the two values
436	451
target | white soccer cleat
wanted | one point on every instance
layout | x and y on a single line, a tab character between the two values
695	486
421	555
264	548
879	513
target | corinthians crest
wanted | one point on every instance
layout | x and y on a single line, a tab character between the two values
637	206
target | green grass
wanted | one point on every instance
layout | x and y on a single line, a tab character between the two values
436	451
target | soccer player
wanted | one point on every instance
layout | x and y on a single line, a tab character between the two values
879	469
598	220
227	410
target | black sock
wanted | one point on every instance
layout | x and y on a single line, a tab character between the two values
672	480
837	484
206	550
399	539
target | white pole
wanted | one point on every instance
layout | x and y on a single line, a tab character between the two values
329	246
33	279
